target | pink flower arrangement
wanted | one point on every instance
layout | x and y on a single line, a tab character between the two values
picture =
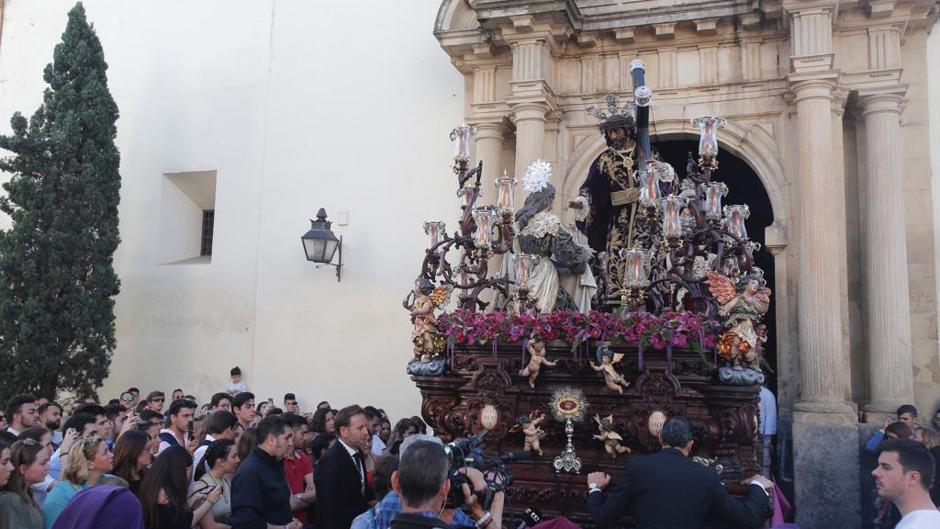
682	330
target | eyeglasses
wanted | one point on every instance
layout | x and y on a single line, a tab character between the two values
157	399
127	398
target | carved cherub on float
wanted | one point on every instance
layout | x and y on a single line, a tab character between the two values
428	340
609	437
742	308
529	426
608	359
537	359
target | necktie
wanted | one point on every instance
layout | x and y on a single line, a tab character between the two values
357	457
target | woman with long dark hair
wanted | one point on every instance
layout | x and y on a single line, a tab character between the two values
132	456
163	492
322	421
18	508
6	468
222	461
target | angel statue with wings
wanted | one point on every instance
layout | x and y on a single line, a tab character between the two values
427	338
529	426
612	378
742	308
609	437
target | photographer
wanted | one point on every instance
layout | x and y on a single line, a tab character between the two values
421	482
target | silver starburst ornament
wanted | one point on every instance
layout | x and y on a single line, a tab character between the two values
568	405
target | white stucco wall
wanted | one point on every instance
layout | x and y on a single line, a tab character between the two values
297	105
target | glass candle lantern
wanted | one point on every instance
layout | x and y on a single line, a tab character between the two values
734	220
663	171
434	229
636	267
714	191
672	215
468	195
461	138
524	264
708	141
484	217
504	193
649	188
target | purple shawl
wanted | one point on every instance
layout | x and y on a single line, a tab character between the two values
102	507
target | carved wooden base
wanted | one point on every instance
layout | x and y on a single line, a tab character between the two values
724	417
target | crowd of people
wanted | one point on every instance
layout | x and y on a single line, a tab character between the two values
156	463
234	462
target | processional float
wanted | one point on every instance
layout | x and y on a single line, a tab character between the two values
649	306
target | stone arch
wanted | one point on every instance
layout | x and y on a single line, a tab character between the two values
750	142
455	15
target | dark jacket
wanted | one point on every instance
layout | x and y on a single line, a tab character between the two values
407	520
339	489
935	490
667	490
260	494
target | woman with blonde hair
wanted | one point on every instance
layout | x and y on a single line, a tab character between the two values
89	460
18	508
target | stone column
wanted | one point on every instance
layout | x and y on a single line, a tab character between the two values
532	96
825	434
820	311
529	118
888	325
489	150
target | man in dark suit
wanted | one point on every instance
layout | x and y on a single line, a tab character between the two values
340	475
666	490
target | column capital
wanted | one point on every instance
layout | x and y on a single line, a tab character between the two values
817	86
529	110
489	128
873	101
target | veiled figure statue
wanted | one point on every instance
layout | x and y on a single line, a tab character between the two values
542	233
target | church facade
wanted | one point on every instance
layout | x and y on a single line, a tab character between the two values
826	102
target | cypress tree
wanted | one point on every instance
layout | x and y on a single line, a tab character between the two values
57	282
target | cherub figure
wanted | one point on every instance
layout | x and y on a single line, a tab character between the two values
426	337
529	426
742	308
609	437
612	378
536	360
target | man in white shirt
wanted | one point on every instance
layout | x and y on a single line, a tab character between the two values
904	474
181	416
374	422
768	426
220	425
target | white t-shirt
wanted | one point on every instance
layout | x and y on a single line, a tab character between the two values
768	412
378	446
922	519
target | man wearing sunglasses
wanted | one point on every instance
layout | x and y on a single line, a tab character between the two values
155	401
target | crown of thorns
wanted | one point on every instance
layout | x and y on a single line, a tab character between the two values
615	116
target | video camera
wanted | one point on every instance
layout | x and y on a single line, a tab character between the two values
465	452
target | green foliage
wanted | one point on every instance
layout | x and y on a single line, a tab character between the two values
57	282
